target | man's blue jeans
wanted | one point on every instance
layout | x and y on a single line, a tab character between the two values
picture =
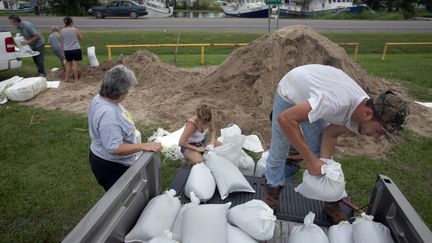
277	170
40	59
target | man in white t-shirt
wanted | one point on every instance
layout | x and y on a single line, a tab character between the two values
325	102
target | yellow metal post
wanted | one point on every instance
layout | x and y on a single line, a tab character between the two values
109	53
356	52
202	55
356	47
388	44
109	47
384	52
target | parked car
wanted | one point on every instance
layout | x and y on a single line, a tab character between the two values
119	8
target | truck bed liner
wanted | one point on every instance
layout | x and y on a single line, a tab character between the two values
292	205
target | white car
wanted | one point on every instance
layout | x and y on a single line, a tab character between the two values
10	58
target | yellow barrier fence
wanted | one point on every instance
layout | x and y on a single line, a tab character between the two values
388	44
202	45
356	47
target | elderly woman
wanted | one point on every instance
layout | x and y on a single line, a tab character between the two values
114	145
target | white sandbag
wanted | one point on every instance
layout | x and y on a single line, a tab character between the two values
246	164
159	215
341	233
329	187
205	223
177	227
161	239
170	139
169	142
26	89
91	53
231	148
167	238
255	218
261	165
227	175
309	232
5	84
230	131
365	230
201	182
252	143
21	48
236	235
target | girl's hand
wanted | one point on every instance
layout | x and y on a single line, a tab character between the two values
200	149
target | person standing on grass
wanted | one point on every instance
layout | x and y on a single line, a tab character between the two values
313	105
33	38
115	142
54	39
71	36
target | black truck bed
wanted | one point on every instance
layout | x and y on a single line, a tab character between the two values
292	205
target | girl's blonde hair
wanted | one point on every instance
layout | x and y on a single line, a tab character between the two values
204	113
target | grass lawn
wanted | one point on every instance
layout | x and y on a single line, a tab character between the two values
46	185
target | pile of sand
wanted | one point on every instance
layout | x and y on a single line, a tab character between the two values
240	90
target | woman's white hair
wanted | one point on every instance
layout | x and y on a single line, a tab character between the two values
117	82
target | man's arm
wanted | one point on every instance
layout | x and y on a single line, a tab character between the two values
289	121
329	139
33	39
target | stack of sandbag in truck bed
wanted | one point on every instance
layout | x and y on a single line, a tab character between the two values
165	220
215	171
363	230
233	143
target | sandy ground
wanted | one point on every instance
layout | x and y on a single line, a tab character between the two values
240	90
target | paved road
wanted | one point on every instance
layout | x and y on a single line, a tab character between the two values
228	24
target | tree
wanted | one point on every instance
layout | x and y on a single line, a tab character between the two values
72	8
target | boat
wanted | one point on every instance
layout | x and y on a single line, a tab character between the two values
17	6
245	8
157	8
301	8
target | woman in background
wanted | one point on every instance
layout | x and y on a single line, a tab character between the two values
71	46
193	141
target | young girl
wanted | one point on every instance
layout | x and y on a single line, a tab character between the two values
192	141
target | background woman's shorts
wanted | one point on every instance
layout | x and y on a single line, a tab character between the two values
73	55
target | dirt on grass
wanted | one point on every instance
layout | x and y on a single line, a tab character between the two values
240	90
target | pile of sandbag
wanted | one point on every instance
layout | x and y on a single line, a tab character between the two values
215	171
227	176
164	219
363	230
233	143
21	89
